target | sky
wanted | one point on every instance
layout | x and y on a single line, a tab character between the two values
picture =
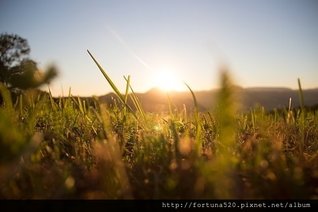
163	43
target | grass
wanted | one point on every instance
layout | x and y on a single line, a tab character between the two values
80	148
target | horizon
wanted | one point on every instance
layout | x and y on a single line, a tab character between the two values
162	91
165	43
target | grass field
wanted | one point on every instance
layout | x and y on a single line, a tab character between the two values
76	148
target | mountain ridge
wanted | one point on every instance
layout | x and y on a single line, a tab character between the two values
155	100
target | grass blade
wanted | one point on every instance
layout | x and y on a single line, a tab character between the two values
108	78
127	88
135	99
197	121
302	118
111	83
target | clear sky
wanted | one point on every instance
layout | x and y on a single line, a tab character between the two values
263	42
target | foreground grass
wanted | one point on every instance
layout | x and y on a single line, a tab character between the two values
75	148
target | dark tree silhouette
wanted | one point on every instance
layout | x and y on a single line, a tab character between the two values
17	70
13	49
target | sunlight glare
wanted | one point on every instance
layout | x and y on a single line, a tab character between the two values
166	80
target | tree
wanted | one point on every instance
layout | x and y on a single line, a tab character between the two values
17	70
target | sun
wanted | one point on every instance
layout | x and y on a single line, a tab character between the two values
167	80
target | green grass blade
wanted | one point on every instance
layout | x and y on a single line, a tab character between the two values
80	105
136	101
127	87
302	118
107	78
113	86
53	104
198	145
196	110
301	96
225	161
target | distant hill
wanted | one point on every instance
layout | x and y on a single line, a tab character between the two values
156	101
272	98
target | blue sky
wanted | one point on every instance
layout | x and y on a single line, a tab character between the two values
263	42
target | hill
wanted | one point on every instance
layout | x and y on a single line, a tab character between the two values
269	97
